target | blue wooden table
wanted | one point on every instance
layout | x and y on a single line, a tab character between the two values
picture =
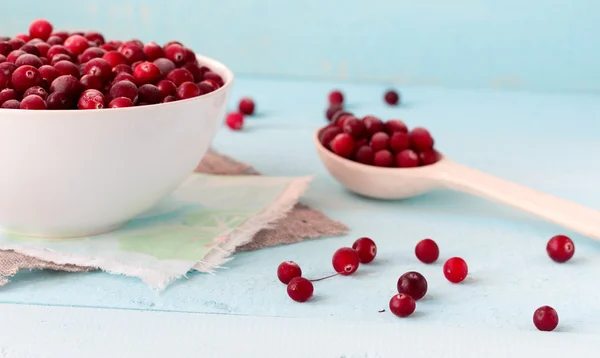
546	141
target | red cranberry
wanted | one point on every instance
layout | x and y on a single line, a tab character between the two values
28	59
176	53
25	77
122	69
150	94
66	84
455	269
428	157
399	141
115	58
36	90
373	125
98	67
30	49
172	43
134	42
545	318
336	97
342	145
120	102
6	71
364	155
190	56
407	159
146	72
327	134
153	51
300	289
124	76
40	29
124	89
366	249
380	141
95	38
62	34
288	270
402	305
188	90
168	99
246	106
76	44
355	127
560	248
132	52
91	99
11	104
194	70
427	251
16	43
337	117
55	40
383	158
60	57
331	111
5	48
345	261
206	87
395	125
42	48
32	102
2	58
212	76
391	97
58	50
235	121
167	88
14	55
23	37
420	139
7	94
49	74
179	76
67	68
165	65
59	100
91	53
413	284
92	82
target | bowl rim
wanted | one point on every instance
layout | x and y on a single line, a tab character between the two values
214	65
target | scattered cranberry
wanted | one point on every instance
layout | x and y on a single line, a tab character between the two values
427	251
342	145
120	102
402	305
246	106
33	102
391	97
336	97
40	29
560	248
420	139
413	284
345	261
300	289
545	318
288	270
235	121
407	159
366	249
365	155
455	269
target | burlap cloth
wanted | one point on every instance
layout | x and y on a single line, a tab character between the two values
302	223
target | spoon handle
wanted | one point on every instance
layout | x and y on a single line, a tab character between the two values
579	218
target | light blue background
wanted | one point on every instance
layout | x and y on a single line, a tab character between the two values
545	45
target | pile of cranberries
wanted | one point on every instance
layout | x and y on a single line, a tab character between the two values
47	69
371	141
235	120
412	286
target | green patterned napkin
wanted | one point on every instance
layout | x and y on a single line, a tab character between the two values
196	228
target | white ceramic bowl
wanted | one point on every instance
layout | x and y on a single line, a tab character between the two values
79	173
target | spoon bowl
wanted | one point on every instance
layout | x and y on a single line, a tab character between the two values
400	183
